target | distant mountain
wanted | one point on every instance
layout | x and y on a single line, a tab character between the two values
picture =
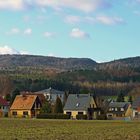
132	62
12	61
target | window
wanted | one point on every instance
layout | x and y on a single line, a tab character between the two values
110	115
14	113
122	109
80	113
25	113
91	105
136	113
77	104
116	109
69	113
112	109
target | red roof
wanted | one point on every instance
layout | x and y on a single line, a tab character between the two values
3	102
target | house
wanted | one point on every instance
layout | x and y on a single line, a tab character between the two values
4	107
119	110
81	104
136	108
51	94
25	106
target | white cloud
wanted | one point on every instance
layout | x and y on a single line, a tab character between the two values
90	20
13	31
51	55
83	5
28	31
8	50
72	19
109	20
49	34
11	4
24	52
77	33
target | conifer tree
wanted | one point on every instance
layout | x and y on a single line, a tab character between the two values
120	98
58	108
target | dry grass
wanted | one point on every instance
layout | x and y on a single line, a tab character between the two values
33	129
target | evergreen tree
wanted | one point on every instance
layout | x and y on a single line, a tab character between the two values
46	108
65	98
58	108
130	99
8	97
15	93
120	98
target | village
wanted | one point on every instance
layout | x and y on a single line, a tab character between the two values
54	104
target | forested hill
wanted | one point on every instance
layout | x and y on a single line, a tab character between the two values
132	62
11	61
34	73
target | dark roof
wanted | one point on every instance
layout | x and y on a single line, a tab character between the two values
136	103
3	102
78	102
51	91
119	105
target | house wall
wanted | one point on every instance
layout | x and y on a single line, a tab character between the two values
92	103
128	112
4	111
19	113
74	113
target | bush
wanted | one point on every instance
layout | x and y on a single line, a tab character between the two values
101	117
81	117
53	116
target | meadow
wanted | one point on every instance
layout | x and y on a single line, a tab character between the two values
34	129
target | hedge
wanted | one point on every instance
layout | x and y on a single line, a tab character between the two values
101	117
81	117
53	116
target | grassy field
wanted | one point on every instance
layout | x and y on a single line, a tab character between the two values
33	129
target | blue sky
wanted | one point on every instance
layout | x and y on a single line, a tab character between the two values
102	30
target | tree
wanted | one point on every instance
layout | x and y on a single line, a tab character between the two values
15	93
58	108
46	108
130	99
65	98
120	98
8	97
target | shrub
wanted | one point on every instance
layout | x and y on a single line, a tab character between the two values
53	116
81	117
101	117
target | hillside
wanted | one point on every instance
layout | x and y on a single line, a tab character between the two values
12	61
132	62
83	75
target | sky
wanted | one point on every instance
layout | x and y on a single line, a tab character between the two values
103	30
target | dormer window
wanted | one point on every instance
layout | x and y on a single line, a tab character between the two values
122	109
77	104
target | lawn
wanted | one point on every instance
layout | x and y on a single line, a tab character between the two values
33	129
